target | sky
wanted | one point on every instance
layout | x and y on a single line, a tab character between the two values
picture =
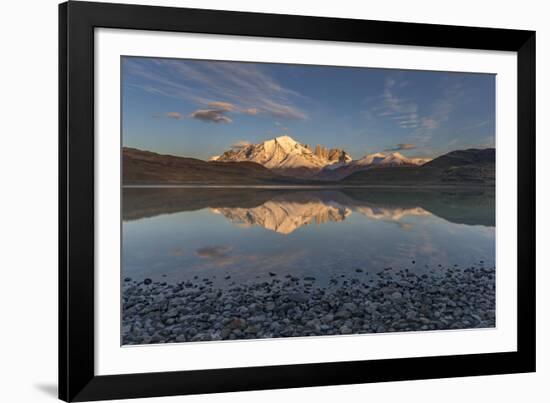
199	109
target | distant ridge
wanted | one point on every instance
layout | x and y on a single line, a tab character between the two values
463	167
464	157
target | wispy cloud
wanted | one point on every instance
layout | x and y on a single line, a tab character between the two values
232	87
211	116
250	111
441	111
169	115
226	106
401	147
174	115
429	123
283	127
477	125
399	109
421	120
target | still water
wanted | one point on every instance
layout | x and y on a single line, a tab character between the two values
175	234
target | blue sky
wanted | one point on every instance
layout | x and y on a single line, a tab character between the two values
199	108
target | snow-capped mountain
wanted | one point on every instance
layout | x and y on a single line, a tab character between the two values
390	160
285	155
370	161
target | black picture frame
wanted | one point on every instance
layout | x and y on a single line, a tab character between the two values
77	379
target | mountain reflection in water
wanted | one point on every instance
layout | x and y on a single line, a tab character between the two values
285	210
285	217
175	233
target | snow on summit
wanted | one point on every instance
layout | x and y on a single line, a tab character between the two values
285	154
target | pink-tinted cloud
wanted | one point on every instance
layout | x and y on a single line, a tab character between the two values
225	106
211	116
174	115
250	111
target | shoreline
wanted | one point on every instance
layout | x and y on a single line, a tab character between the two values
392	301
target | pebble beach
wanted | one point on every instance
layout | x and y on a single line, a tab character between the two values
387	301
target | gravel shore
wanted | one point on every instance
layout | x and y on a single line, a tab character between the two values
388	301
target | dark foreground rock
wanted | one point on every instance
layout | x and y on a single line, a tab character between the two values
390	301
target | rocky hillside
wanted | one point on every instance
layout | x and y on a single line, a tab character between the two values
148	168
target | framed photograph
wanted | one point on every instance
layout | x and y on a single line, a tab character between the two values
257	201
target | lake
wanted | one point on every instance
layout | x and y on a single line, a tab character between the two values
175	234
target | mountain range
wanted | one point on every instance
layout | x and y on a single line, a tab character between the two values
287	157
369	161
282	160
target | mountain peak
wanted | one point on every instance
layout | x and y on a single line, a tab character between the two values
398	155
286	142
285	139
289	157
